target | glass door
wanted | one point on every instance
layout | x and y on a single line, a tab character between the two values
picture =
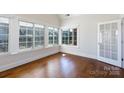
109	42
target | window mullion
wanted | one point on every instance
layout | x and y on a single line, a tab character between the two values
26	37
33	36
72	37
68	37
53	37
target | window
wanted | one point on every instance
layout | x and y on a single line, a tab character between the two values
39	35
56	34
65	37
26	35
53	36
50	29
69	37
4	33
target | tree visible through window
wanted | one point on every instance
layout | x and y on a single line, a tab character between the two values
4	31
53	34
69	36
26	35
39	35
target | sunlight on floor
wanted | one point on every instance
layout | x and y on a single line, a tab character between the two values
63	55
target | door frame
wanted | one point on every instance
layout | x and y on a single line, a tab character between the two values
107	60
122	41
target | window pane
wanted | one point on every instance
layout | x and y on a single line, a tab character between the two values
39	35
3	38
38	44
4	28
22	30
22	39
26	35
37	32
30	30
3	48
50	30
29	39
69	36
29	45
22	45
56	36
37	38
75	36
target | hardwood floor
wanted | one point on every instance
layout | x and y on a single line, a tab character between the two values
64	66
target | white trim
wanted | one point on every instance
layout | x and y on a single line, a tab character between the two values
122	41
107	60
4	53
64	45
24	23
70	26
80	54
54	29
25	49
78	35
6	20
39	26
28	60
37	22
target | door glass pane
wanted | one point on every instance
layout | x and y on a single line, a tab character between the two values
114	40
108	38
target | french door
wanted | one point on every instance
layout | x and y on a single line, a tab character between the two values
109	42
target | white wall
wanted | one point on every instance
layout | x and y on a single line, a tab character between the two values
15	57
12	60
48	19
87	38
87	33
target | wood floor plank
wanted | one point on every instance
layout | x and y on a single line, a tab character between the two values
64	66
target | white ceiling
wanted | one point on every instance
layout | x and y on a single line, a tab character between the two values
63	16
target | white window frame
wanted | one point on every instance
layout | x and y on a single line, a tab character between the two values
57	31
43	27
33	46
68	29
54	29
25	49
4	53
107	60
14	27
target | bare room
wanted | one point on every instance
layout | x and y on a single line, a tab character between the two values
61	45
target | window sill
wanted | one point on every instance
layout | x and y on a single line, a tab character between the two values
4	53
52	46
36	48
63	45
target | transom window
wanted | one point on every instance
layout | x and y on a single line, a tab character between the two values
69	36
53	35
39	35
4	34
26	35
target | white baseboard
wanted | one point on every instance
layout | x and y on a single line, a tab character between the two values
81	54
23	61
28	60
88	56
